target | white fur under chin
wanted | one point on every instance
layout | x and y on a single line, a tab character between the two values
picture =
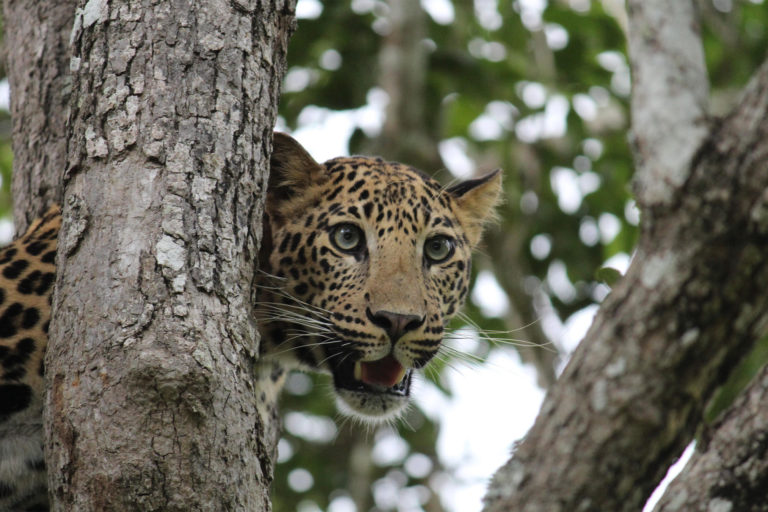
384	408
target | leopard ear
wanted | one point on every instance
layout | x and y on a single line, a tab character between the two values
291	167
292	171
476	202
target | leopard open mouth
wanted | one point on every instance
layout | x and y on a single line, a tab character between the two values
372	390
385	375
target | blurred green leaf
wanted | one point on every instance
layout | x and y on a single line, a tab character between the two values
607	275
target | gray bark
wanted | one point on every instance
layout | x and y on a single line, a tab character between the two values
670	96
692	303
729	471
37	44
151	356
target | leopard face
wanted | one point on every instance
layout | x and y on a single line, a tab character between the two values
371	258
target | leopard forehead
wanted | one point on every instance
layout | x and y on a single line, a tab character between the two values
375	173
389	195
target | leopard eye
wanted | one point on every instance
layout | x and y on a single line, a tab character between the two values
348	237
438	248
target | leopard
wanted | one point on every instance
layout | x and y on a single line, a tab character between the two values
363	263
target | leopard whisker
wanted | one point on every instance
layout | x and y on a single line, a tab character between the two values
495	340
302	307
270	276
308	330
431	370
495	337
454	353
289	309
447	360
328	358
297	319
297	335
469	321
284	293
291	349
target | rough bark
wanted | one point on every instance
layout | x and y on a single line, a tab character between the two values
692	303
37	44
150	362
670	92
730	473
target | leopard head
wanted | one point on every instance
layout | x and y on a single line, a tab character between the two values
371	259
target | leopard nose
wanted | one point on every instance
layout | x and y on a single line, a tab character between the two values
395	324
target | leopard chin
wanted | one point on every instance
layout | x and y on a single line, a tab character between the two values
374	391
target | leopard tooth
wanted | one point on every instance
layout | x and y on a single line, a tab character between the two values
358	374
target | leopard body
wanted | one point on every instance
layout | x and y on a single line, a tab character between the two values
363	262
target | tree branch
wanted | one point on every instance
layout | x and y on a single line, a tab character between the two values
730	472
693	301
669	95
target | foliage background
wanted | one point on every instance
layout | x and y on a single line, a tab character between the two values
539	88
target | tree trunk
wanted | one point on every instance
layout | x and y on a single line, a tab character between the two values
692	303
402	74
152	346
37	41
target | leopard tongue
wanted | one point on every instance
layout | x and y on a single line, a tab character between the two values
385	372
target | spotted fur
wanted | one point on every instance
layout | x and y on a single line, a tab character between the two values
26	282
369	315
